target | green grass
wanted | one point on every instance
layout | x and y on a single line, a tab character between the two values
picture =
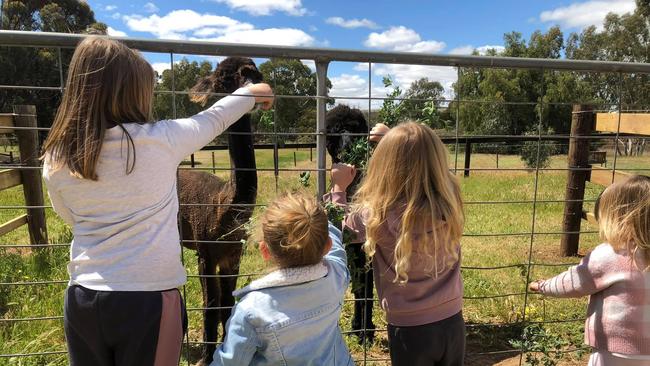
23	265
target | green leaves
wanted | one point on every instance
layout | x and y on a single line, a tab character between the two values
356	153
391	111
541	346
335	213
304	179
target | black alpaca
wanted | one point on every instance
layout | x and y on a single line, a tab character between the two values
345	120
231	205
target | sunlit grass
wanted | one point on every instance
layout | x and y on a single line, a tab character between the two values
497	202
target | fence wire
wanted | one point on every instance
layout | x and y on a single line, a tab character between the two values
518	298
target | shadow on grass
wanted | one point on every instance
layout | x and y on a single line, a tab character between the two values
489	344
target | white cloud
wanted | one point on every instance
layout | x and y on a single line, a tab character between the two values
580	15
405	39
310	64
484	49
150	8
266	7
346	85
116	16
423	46
159	67
176	23
268	36
361	66
115	33
462	50
392	38
402	39
188	24
404	75
351	85
352	23
110	7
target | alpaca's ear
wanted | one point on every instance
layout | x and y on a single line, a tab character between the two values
198	93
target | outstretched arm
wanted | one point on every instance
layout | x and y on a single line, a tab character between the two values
187	135
586	278
342	176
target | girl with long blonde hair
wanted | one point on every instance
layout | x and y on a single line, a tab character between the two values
615	276
408	213
110	172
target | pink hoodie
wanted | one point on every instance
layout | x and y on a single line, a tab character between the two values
618	317
423	299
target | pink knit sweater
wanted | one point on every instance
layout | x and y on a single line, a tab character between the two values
618	316
423	299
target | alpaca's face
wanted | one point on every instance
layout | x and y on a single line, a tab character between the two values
231	74
340	121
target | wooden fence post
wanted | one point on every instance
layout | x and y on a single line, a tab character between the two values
582	124
468	157
32	183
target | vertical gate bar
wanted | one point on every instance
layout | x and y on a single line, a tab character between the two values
60	61
364	325
276	153
2	8
534	215
321	103
458	75
180	227
618	127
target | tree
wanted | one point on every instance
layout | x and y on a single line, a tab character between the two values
623	38
423	102
291	77
28	66
185	76
512	102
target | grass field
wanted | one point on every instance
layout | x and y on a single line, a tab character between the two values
497	235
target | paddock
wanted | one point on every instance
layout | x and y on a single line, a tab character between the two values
514	213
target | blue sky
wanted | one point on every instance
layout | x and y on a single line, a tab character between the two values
406	25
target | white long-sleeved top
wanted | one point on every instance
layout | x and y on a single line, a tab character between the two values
125	225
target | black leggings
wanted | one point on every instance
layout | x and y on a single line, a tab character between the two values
436	344
121	328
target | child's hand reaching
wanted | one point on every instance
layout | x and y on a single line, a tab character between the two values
342	176
263	95
378	132
534	286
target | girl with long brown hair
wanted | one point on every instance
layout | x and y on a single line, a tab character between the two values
111	175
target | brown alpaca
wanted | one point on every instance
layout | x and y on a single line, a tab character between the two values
215	227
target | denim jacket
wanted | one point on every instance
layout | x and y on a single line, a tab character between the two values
291	316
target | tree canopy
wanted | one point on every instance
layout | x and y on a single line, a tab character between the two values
27	66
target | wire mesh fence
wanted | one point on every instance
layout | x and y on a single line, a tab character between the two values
513	209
